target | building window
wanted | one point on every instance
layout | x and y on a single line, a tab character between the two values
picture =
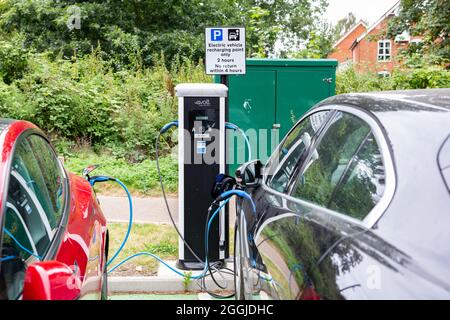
403	37
384	50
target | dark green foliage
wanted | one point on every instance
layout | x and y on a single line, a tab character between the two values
84	101
137	29
13	59
430	19
421	77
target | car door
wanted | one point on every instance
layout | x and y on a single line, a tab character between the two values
35	206
302	240
272	206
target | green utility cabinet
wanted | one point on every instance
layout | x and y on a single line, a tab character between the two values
273	95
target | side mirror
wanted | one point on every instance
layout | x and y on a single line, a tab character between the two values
249	174
50	280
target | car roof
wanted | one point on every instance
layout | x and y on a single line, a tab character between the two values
416	112
401	100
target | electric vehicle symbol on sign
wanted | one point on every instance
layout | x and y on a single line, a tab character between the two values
53	236
233	35
353	204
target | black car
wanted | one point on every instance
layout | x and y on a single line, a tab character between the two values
353	204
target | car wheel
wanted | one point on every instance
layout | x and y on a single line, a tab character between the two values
238	275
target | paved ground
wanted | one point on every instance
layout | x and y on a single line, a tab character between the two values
145	210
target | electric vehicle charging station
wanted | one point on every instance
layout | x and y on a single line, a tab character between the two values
204	189
201	157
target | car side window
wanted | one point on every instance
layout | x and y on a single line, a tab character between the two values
49	179
363	182
344	172
285	159
34	206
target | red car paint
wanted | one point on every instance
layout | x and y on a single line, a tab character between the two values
55	280
82	249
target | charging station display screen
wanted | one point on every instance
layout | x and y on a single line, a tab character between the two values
201	123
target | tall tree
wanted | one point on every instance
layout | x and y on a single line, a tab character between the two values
343	26
128	30
427	18
319	44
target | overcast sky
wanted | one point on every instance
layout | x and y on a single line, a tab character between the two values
368	10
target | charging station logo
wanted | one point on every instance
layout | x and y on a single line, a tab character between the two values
203	103
216	35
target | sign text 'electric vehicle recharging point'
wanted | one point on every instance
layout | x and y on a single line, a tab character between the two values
201	157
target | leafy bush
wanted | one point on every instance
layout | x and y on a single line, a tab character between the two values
351	81
421	78
85	101
13	59
424	77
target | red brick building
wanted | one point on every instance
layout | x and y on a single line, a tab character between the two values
341	49
371	50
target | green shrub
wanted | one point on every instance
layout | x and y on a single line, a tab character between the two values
423	77
13	59
86	101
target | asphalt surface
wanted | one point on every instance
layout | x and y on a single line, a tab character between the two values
145	210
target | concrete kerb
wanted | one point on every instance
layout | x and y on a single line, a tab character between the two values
166	282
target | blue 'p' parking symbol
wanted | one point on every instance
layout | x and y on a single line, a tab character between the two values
216	34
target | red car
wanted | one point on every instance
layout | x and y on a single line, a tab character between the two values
53	234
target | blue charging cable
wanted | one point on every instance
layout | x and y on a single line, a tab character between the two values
95	179
239	193
169	125
7	258
205	268
234	127
226	196
20	245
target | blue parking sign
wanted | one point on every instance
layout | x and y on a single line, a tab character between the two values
216	34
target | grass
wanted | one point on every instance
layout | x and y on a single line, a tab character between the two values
140	178
158	239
